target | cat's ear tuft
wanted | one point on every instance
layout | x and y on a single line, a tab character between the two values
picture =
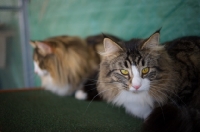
44	48
110	47
152	41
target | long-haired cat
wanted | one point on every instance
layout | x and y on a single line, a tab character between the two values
64	63
68	64
158	83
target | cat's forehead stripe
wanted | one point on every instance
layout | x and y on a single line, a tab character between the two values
126	64
127	59
143	62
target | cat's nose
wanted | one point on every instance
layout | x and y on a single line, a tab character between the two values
137	86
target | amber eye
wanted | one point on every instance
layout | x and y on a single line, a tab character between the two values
124	72
145	70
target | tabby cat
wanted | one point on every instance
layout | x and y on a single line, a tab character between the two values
158	83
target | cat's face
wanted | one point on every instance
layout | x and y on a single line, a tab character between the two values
135	67
132	72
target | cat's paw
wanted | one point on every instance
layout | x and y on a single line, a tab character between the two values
81	95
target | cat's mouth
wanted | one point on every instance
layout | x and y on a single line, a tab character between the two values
41	74
134	90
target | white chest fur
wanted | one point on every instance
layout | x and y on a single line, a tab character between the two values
138	104
48	83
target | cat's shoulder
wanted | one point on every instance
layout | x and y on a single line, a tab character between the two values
182	42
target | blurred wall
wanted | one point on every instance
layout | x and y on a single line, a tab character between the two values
11	75
123	18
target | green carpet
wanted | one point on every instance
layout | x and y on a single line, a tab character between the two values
43	111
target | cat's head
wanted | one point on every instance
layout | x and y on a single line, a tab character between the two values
136	66
42	51
48	59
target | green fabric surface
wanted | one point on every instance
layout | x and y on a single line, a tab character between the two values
43	111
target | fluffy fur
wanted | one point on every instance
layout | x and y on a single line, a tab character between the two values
64	63
157	79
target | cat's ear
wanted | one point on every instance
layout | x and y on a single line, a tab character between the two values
33	44
110	47
152	41
44	48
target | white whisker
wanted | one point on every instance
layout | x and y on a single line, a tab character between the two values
159	105
94	98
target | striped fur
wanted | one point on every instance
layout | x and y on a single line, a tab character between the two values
173	78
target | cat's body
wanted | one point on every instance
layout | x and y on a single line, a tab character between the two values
143	76
181	113
64	63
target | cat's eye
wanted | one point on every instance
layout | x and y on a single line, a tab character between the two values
124	72
145	70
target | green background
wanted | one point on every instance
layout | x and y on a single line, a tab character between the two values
124	18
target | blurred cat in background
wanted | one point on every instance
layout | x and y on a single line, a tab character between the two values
68	64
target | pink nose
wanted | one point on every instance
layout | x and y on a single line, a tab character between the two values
137	86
